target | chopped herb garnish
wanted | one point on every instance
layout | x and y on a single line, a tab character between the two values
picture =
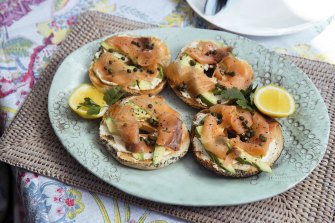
219	86
243	98
110	71
110	97
218	89
110	62
128	71
233	94
113	95
135	69
92	107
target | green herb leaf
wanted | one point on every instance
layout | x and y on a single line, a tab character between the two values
233	93
113	95
249	90
251	98
243	98
93	108
244	104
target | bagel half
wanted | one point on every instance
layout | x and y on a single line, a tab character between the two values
136	64
203	69
116	145
242	169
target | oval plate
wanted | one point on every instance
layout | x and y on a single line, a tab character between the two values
186	182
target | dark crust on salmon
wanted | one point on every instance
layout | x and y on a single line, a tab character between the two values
210	165
128	160
102	86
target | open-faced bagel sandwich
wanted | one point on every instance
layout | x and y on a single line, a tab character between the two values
203	69
235	142
144	132
136	64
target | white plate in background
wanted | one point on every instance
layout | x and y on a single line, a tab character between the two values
267	17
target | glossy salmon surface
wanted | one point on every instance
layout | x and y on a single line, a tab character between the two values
251	132
147	117
128	60
203	64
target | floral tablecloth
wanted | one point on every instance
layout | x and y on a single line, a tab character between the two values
30	31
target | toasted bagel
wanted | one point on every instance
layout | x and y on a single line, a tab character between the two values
203	69
241	169
119	148
136	64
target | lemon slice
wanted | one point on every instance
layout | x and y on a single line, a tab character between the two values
274	101
87	91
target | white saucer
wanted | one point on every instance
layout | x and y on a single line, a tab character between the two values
262	17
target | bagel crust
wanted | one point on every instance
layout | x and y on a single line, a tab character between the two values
164	58
242	170
115	146
193	102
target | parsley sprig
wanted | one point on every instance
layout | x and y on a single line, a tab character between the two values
92	107
243	98
111	96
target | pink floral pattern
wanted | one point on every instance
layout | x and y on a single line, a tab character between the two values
14	10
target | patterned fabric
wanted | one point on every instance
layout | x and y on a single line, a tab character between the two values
48	200
30	31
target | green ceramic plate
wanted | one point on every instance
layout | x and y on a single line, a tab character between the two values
186	182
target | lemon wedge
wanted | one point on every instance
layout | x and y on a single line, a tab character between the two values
274	101
87	91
